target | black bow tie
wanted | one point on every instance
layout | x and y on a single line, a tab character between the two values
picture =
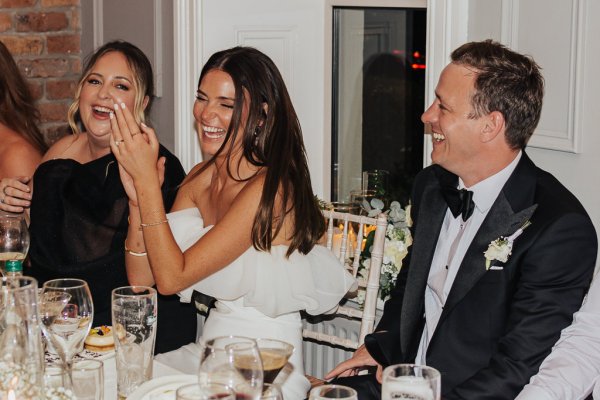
459	201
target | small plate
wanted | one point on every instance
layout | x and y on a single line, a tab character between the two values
165	385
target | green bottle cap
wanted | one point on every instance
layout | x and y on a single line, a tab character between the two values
14	266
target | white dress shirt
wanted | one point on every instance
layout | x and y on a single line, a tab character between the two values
484	195
572	369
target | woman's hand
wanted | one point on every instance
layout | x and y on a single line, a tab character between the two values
15	195
136	149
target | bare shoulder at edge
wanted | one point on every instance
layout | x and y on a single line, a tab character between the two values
60	149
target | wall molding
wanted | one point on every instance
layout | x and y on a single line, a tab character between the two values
188	54
569	139
98	18
158	48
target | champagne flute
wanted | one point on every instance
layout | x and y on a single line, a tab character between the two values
233	361
14	238
66	321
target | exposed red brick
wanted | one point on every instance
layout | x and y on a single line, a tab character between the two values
16	3
58	3
23	45
60	89
5	22
54	131
75	20
54	112
41	22
63	44
44	68
76	66
36	88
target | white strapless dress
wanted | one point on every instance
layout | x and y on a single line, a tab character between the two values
260	294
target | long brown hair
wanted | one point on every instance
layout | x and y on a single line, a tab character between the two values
143	80
271	139
17	107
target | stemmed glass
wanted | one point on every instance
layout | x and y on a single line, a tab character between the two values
66	312
14	238
233	361
274	355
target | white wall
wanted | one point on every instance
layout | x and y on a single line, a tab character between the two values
580	171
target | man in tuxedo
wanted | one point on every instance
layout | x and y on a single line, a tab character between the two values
503	254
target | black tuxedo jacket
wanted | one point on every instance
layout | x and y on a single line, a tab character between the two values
499	324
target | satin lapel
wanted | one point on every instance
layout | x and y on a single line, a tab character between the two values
430	220
500	221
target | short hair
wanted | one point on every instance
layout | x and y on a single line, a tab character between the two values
17	106
143	79
508	82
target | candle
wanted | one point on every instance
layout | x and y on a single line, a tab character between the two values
337	241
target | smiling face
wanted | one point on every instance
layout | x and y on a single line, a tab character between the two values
456	136
213	111
110	81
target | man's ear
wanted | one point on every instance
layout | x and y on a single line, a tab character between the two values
494	124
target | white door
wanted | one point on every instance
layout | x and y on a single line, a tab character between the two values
290	32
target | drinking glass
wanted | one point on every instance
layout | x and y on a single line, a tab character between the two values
14	238
233	361
67	321
410	381
274	354
338	392
377	180
88	379
21	354
134	315
210	391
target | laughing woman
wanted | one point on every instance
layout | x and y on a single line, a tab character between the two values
79	208
245	226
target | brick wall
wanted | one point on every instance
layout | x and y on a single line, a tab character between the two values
44	38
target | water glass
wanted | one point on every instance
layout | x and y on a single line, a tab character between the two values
210	391
410	381
21	362
338	392
88	379
14	238
134	315
377	180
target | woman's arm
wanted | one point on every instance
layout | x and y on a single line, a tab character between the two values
17	165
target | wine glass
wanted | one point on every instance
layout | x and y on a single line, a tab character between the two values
338	392
233	361
14	238
274	355
66	320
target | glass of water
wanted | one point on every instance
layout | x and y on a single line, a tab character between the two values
338	392
134	314
411	381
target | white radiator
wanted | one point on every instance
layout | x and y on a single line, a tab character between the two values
320	358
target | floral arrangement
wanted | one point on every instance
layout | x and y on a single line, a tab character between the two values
397	241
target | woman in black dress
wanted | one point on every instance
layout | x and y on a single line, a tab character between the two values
79	209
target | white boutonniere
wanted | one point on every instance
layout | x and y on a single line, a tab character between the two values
501	248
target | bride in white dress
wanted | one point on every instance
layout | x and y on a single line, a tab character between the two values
245	226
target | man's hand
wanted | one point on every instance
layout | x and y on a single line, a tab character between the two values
360	359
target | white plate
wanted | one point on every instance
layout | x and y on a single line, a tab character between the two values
166	385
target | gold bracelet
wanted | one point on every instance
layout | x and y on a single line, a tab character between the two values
164	221
135	253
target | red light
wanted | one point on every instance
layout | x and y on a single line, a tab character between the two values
418	66
416	54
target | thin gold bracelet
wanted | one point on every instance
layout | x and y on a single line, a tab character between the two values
135	253
164	221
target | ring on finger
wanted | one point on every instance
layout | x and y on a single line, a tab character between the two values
1	201
134	133
118	142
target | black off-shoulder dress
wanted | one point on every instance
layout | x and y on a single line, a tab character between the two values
78	228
